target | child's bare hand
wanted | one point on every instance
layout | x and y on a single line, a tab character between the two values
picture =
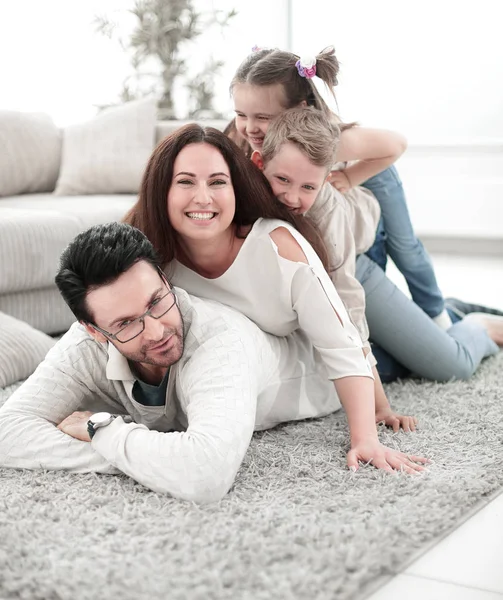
372	451
391	419
340	181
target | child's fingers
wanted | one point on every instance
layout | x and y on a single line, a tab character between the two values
405	424
408	423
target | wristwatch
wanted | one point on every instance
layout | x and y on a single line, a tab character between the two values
99	419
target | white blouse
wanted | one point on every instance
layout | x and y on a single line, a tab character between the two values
281	296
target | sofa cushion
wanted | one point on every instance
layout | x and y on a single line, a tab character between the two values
107	155
30	153
22	349
35	229
44	309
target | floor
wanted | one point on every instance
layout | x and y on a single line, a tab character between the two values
467	564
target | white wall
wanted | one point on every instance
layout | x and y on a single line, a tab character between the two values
431	69
434	71
51	60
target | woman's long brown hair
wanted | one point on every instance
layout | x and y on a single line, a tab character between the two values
253	193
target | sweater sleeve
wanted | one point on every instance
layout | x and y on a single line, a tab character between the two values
218	393
334	223
29	438
322	315
324	318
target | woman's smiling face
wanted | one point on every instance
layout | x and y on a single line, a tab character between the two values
201	201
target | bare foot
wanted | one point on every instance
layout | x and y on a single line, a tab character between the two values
493	324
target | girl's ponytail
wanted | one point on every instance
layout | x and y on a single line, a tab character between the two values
327	67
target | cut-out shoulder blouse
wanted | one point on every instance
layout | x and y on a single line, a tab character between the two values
281	296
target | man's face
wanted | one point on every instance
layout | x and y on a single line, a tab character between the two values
113	306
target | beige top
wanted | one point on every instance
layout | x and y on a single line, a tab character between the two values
348	225
281	296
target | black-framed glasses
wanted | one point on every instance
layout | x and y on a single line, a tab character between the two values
134	328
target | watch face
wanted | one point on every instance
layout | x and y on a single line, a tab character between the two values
99	418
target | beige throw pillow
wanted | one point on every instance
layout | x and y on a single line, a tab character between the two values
22	349
30	153
108	154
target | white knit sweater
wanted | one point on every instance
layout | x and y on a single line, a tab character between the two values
232	378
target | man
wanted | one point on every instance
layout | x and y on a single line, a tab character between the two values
180	383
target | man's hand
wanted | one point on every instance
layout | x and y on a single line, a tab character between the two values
391	419
340	181
76	425
372	451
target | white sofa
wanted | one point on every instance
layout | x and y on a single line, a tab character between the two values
36	227
34	230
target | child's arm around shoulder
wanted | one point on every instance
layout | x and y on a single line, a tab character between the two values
373	149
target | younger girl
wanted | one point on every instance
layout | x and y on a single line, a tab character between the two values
296	157
271	81
211	214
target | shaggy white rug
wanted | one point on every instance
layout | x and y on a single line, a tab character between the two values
297	524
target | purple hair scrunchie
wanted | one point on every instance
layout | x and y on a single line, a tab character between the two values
306	66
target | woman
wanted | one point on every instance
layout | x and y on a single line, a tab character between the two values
213	218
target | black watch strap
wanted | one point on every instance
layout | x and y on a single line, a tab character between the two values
90	429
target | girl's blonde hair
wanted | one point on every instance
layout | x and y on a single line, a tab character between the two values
316	135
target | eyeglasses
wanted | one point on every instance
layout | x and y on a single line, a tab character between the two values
134	328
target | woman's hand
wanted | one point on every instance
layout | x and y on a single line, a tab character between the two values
392	419
372	451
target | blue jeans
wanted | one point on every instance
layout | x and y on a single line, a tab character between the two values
396	237
405	340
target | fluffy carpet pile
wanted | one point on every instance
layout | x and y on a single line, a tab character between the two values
296	525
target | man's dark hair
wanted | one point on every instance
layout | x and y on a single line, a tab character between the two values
98	257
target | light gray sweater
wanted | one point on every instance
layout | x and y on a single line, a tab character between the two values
232	378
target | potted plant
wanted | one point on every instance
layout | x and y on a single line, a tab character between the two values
157	45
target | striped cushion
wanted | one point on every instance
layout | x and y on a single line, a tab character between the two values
35	229
22	349
30	153
44	309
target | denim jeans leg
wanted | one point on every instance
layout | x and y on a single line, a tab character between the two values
377	252
389	369
405	332
402	245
